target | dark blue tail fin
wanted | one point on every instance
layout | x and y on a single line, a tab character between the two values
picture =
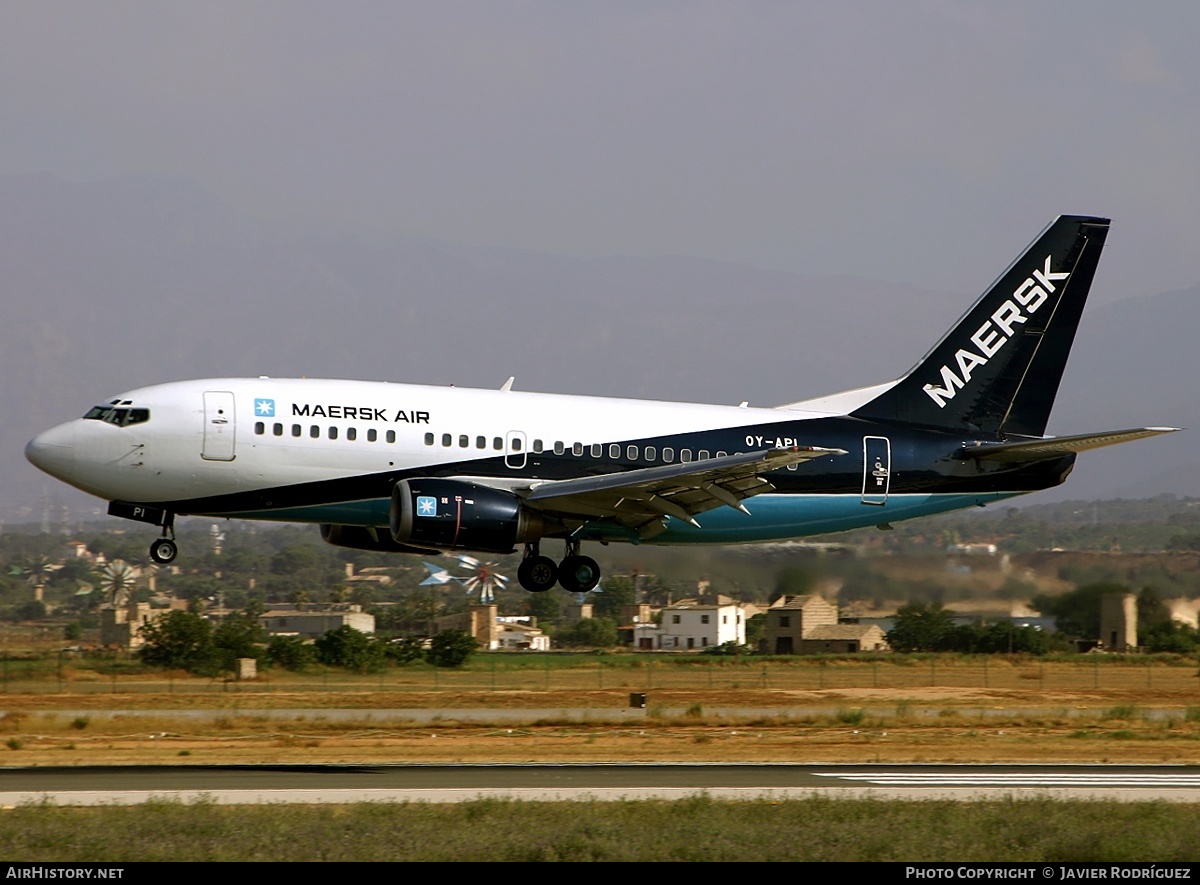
997	371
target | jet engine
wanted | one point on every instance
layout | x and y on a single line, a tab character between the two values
456	515
358	537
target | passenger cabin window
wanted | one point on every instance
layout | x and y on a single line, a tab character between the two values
314	432
577	449
391	436
614	451
597	450
333	433
498	443
481	442
122	417
373	435
277	430
428	438
296	431
538	447
352	433
463	441
703	455
668	455
260	428
632	452
650	451
685	455
447	439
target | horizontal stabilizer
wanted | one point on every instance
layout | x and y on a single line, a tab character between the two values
1038	449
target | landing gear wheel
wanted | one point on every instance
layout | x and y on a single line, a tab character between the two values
578	574
164	550
537	574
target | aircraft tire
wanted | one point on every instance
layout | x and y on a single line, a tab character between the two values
537	574
164	550
578	574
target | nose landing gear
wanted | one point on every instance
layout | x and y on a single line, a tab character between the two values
164	549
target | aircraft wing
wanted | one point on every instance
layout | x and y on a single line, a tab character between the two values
1036	449
639	499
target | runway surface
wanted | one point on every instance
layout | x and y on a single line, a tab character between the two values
256	784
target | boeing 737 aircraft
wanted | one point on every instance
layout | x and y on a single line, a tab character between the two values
417	469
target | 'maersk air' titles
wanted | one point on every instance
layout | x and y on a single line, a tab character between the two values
500	470
358	413
997	331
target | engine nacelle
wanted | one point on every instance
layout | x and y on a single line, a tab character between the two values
455	515
358	537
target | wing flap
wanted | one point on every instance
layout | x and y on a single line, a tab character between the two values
1054	447
640	499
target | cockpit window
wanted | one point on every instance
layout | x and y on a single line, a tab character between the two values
122	416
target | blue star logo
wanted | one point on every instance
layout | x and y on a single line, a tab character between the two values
426	506
264	408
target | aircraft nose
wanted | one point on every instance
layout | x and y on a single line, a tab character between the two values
53	451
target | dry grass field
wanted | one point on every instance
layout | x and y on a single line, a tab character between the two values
854	712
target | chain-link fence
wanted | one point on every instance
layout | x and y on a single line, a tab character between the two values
117	674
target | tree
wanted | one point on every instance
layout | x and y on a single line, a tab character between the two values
1000	637
350	648
920	628
546	607
180	640
290	652
588	633
1077	612
451	648
1152	613
405	651
616	591
33	610
1171	637
239	636
756	626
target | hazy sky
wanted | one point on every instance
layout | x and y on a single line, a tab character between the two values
905	141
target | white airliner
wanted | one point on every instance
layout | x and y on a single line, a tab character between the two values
418	469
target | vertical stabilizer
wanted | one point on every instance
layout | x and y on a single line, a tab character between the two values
998	370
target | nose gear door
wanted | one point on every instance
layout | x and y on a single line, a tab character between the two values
877	469
220	426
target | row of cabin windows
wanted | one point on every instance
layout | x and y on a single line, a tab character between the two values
314	432
596	450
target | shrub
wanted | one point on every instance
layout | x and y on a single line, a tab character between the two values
451	648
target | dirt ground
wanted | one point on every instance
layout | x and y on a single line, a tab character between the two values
934	724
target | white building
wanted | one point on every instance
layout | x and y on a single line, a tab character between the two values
693	626
521	633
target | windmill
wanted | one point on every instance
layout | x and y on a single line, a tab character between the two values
485	579
117	582
37	571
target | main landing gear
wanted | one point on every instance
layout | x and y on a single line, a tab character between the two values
164	549
576	573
